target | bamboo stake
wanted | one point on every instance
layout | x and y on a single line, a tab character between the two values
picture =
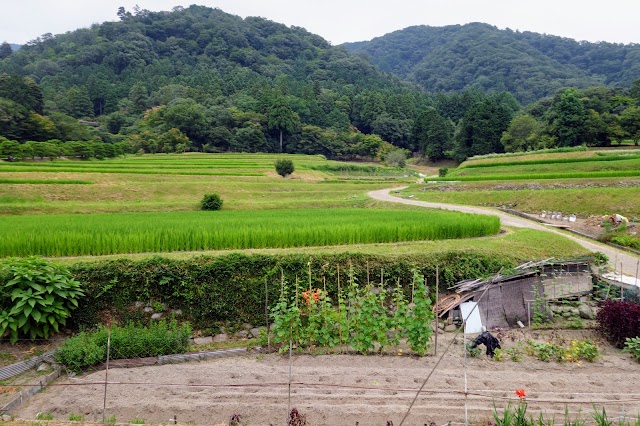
435	305
106	374
266	311
413	287
367	272
339	311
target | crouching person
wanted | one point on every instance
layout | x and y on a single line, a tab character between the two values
487	339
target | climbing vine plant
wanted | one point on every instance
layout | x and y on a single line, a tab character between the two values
363	318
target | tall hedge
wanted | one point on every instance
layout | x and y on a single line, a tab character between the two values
214	289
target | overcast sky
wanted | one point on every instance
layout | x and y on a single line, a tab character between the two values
339	21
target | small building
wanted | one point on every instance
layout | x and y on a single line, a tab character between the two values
505	300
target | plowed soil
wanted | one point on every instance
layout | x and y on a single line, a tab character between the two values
351	389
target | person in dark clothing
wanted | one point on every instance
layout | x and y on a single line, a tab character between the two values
488	340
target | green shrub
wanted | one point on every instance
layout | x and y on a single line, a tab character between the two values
546	351
284	167
396	158
443	171
514	354
73	417
473	352
632	346
627	241
37	296
211	202
215	289
130	341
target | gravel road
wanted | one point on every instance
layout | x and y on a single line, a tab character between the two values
628	261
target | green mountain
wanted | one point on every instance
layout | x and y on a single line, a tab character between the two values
225	82
529	65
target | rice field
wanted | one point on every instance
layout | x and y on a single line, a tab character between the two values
103	234
491	174
177	182
580	201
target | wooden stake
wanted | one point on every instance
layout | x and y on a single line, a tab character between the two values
266	310
339	311
367	272
435	305
413	287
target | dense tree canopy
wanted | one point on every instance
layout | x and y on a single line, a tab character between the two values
529	65
199	79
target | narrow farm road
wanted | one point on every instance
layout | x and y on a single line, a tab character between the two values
628	260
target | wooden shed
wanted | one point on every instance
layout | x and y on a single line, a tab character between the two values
505	300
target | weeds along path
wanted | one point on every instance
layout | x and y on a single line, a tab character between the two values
628	261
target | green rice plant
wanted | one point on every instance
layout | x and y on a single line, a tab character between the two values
206	172
137	421
551	161
101	234
46	182
542	176
111	420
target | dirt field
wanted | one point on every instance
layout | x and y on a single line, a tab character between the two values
349	389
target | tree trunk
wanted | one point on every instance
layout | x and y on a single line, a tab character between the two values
281	141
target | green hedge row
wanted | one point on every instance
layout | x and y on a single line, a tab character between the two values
212	290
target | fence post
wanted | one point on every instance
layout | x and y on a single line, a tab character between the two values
106	375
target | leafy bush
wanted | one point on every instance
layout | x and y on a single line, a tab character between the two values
211	202
473	352
546	351
627	241
584	349
618	321
284	167
131	341
396	158
632	345
514	354
443	171
37	296
214	289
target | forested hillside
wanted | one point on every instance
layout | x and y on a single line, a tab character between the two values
198	78
529	65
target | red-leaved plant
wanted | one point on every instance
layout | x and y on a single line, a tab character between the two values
618	320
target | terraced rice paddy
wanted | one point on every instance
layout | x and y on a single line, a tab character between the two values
101	234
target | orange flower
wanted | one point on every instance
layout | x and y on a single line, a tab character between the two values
521	393
312	294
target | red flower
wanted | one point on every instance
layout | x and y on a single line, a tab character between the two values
521	393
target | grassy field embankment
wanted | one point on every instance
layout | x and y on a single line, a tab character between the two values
581	182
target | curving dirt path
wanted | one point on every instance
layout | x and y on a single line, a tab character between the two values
628	261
